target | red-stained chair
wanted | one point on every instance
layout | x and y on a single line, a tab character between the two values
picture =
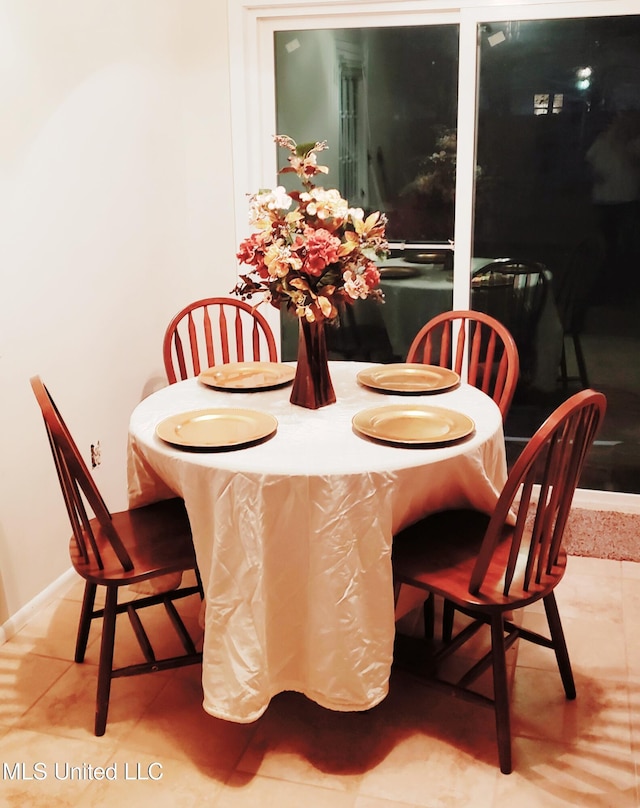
113	550
213	331
488	566
492	358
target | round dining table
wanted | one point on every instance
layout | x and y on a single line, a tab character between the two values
293	534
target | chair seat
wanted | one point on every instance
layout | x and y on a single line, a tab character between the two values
438	553
157	538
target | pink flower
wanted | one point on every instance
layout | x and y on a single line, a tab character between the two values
322	250
249	248
307	166
371	275
355	285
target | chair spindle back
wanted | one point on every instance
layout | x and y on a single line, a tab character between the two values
543	480
491	354
213	331
78	486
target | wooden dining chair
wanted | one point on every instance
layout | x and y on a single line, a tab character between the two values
514	292
113	550
486	566
213	331
492	364
573	287
492	361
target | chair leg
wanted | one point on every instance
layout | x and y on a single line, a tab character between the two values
448	611
106	659
559	645
84	625
563	367
582	365
396	592
501	693
428	611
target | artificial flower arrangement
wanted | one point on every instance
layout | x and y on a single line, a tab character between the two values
311	252
437	174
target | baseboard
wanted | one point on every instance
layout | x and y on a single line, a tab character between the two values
18	621
606	501
590	500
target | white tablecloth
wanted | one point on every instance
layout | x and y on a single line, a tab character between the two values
293	536
411	302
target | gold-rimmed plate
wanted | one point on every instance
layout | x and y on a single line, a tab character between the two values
409	378
397	273
248	377
430	257
418	425
217	428
490	280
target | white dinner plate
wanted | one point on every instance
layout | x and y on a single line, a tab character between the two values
408	377
247	377
217	428
417	425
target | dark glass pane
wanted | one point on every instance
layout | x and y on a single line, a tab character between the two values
558	146
385	100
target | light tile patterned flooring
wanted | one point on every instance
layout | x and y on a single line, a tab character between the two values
417	748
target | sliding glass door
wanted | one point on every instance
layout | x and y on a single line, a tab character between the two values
476	131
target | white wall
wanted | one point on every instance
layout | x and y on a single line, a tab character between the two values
115	210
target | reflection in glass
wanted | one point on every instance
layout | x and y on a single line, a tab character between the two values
558	139
385	101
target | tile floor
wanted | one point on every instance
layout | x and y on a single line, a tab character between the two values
417	748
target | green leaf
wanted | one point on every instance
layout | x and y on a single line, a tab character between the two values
331	277
302	149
